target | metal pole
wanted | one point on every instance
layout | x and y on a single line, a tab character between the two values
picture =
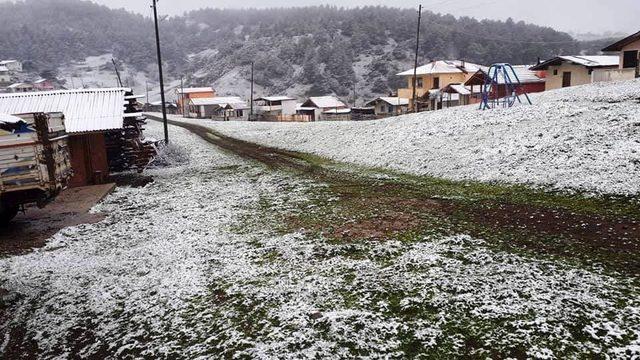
415	68
117	72
162	99
251	113
182	96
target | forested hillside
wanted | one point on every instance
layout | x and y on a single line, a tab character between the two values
315	49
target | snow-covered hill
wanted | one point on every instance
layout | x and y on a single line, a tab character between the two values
584	138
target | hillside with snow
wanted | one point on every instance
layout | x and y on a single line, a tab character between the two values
583	138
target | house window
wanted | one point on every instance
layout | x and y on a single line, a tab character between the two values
420	83
555	72
436	83
630	59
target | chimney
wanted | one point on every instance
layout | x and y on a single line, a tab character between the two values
539	60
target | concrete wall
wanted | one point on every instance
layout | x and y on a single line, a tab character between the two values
289	107
602	75
579	75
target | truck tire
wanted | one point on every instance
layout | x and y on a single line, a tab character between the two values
7	213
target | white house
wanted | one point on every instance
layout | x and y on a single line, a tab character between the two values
20	87
13	66
324	108
390	106
275	105
5	76
219	108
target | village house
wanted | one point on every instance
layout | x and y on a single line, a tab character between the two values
389	106
219	108
156	106
530	82
5	76
20	88
565	71
324	108
103	125
433	77
186	94
629	55
43	85
277	108
14	66
459	94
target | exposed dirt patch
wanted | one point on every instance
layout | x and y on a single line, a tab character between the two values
32	229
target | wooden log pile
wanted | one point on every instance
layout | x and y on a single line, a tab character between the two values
126	148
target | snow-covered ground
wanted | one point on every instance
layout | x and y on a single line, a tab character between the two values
191	266
584	138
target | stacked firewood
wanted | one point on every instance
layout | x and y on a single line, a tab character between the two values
126	148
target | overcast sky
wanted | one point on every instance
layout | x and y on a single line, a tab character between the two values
567	15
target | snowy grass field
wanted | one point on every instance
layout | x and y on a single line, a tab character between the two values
205	262
582	138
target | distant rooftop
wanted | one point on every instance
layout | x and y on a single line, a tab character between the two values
195	90
444	67
591	61
324	102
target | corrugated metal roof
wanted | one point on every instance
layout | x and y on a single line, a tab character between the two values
323	102
85	110
195	90
274	98
221	100
591	61
444	67
457	88
397	101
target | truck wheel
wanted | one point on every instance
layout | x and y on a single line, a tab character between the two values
7	213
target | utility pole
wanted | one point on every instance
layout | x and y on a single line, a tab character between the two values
355	95
415	68
251	113
117	72
146	86
182	95
162	99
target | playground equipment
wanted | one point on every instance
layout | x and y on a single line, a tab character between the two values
502	88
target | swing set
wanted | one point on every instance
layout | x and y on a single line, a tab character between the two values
502	88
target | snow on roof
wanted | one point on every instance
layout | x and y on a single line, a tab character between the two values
3	68
523	72
584	60
274	98
457	88
195	90
40	81
222	101
85	110
5	62
17	85
397	101
444	67
323	102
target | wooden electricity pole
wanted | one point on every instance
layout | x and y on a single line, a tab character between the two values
251	113
162	98
415	67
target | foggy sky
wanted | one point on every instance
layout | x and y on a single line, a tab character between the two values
567	15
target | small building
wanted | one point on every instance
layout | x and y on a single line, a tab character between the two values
156	106
219	108
389	106
435	75
5	76
186	94
324	108
43	85
20	88
103	125
459	94
629	54
565	71
274	106
14	66
530	82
